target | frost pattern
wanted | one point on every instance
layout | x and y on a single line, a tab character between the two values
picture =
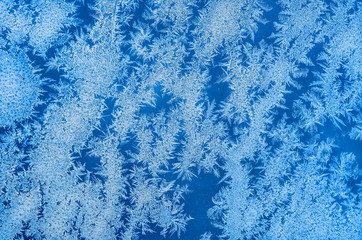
114	113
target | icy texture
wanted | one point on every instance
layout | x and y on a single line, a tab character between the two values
180	119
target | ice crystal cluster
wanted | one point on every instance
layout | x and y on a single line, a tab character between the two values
180	119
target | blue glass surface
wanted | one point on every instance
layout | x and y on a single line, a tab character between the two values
180	119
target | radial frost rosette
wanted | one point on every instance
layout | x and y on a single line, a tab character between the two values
19	88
